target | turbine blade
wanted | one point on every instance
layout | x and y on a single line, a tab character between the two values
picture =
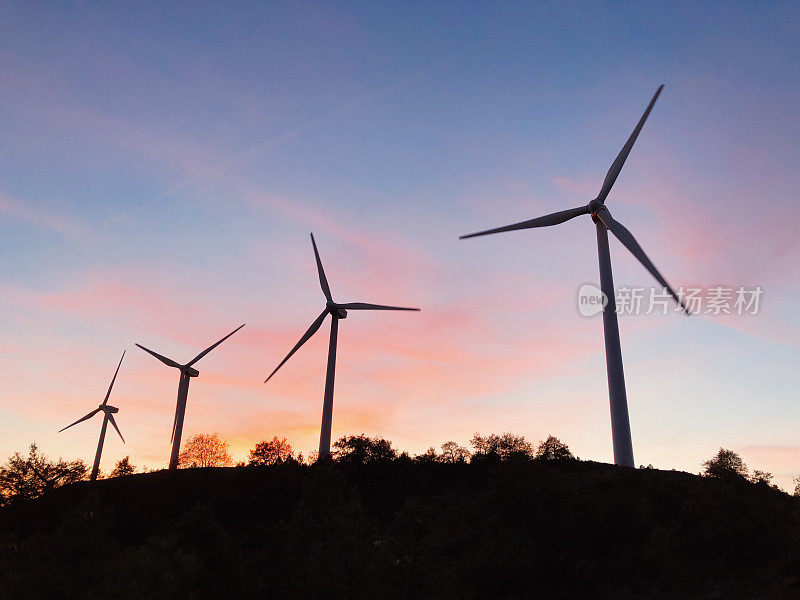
177	408
89	416
323	281
627	239
212	346
108	393
174	425
311	331
365	306
545	221
114	423
167	361
616	166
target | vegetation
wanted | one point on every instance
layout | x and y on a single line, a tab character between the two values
505	522
363	450
205	450
501	447
123	467
552	449
28	477
726	464
273	452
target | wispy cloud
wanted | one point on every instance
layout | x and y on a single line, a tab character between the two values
41	214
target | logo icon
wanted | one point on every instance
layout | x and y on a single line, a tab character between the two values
591	300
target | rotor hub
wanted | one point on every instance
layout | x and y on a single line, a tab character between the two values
595	206
190	371
335	310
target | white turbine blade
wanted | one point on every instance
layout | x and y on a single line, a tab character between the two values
174	425
545	221
323	281
627	239
167	361
89	416
211	347
114	423
365	306
306	336
108	393
616	166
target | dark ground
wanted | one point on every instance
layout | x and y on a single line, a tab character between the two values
405	530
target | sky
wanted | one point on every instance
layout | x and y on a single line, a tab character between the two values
162	166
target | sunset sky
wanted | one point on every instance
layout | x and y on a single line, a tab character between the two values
162	166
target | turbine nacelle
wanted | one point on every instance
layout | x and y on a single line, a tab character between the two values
189	371
108	408
334	309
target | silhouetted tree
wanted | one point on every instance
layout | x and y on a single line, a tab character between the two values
123	467
29	477
362	449
271	452
796	482
205	450
762	477
429	456
504	447
553	449
453	453
725	465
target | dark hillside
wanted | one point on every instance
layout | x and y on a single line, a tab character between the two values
405	530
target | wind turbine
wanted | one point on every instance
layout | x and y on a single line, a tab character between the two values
187	372
620	423
108	415
337	311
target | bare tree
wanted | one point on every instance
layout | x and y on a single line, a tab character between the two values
205	450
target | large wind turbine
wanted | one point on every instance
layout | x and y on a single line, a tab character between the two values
620	423
108	415
337	311
187	372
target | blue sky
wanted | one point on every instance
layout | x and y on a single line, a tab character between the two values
162	165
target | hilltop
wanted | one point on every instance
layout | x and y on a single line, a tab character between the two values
404	529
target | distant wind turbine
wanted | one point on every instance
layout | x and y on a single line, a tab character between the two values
620	423
108	415
187	372
337	311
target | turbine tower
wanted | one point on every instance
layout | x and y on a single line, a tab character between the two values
187	372
337	311
620	423
108	415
